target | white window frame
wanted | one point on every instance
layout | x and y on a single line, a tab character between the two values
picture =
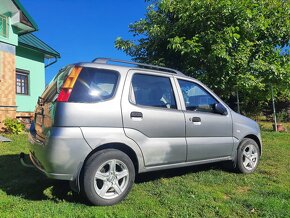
4	32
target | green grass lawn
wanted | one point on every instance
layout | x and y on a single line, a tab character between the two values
204	191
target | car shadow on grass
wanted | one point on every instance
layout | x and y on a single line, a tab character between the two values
30	184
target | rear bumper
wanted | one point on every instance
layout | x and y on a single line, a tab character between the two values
35	164
61	155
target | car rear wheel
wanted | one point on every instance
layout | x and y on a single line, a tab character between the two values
248	156
108	177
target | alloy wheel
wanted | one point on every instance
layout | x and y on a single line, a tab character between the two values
111	179
250	157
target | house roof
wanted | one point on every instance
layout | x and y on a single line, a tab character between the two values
31	41
28	19
19	16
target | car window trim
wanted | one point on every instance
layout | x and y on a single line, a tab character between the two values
174	89
205	89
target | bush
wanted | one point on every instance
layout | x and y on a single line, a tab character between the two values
282	116
13	126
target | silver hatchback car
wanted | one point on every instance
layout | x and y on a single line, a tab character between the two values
98	124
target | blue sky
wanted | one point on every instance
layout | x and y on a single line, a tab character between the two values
81	30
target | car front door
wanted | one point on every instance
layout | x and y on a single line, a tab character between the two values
208	133
153	118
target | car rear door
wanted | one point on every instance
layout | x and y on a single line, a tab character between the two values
152	117
208	134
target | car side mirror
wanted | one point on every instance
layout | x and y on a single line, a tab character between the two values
220	109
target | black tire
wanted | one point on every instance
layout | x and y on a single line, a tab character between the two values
103	160
247	163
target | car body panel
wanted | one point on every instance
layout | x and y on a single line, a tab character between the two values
98	136
62	153
160	132
159	151
210	138
101	114
243	127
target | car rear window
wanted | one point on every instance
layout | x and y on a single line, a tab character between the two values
94	85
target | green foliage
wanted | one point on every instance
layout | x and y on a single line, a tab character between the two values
230	45
13	126
282	116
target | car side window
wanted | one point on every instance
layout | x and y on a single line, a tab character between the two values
153	91
196	98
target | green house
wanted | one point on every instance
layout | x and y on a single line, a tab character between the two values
22	61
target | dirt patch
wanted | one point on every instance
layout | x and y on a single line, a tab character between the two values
226	197
242	190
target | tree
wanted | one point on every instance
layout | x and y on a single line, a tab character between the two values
229	45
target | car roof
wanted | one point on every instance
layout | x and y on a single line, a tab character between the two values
108	63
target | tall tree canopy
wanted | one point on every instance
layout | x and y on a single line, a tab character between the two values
227	44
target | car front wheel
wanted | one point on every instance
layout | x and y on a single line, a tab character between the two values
248	156
108	177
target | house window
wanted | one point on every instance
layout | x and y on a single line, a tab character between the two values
22	82
3	26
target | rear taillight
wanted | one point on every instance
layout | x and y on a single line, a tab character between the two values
68	85
64	95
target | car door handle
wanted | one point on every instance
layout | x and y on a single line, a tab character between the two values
195	119
136	114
